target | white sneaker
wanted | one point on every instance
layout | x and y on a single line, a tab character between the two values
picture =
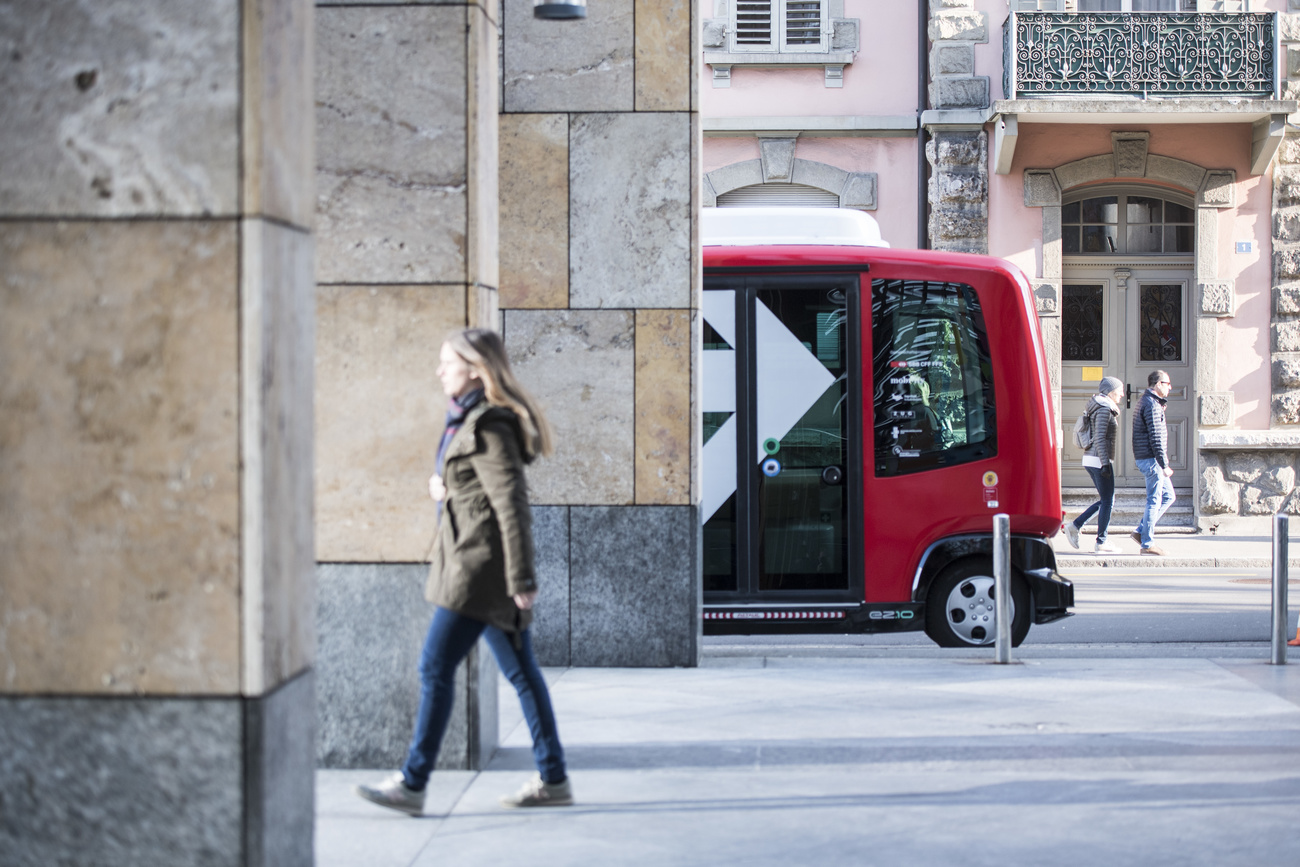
393	793
1107	548
539	793
1071	533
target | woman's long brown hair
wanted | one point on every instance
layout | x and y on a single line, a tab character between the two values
485	352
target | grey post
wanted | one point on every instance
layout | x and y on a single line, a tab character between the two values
1002	585
1280	539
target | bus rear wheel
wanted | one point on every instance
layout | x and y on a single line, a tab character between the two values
960	609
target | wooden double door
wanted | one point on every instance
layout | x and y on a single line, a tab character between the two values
1127	320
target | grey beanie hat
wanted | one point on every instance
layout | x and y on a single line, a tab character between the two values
1109	384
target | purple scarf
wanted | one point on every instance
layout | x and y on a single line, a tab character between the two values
456	412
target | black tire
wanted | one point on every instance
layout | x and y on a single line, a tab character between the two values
971	623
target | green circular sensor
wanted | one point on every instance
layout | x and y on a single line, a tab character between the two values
771	445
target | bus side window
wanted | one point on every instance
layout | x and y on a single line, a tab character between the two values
932	375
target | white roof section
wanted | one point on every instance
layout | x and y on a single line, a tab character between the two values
753	227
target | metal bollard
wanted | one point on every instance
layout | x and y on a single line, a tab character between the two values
1281	538
1002	585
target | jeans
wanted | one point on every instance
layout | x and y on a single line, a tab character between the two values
1103	479
1160	496
450	639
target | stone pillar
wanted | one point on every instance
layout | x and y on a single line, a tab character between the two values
958	147
156	329
599	292
406	172
1285	344
955	29
958	189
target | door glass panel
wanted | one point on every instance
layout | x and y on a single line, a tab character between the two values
802	428
1144	239
1070	239
1099	239
718	407
1103	209
1081	322
1179	239
1160	322
1143	210
933	376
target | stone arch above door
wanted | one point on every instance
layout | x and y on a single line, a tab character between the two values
1130	162
777	165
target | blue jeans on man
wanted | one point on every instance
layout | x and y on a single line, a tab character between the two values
450	639
1160	496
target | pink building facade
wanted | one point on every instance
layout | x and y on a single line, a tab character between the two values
1133	157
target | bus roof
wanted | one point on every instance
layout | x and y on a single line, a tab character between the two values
750	227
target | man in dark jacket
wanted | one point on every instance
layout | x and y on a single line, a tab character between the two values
1151	453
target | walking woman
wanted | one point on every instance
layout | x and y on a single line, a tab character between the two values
1099	461
482	578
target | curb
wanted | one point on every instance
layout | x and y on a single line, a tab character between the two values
1131	561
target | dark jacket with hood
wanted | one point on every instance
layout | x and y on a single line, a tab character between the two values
1103	416
483	553
1150	436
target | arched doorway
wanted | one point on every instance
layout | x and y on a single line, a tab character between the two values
1126	310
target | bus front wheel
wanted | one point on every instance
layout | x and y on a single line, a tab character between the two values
960	609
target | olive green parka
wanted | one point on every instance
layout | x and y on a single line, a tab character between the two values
483	552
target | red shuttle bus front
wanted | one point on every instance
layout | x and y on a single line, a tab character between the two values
866	413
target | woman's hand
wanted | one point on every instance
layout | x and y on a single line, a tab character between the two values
525	600
437	490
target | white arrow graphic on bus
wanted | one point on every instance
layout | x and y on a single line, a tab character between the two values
790	381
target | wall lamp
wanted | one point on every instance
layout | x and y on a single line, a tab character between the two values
559	9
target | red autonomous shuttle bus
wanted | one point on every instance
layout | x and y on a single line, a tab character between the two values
866	413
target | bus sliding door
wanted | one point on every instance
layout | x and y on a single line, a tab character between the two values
782	427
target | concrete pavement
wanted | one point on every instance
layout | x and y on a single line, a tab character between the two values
1182	549
902	761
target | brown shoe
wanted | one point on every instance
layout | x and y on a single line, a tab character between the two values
1154	549
1135	537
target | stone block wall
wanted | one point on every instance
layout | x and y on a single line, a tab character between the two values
478	166
1249	483
599	157
406	210
156	331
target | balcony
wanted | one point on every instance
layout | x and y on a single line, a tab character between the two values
1140	54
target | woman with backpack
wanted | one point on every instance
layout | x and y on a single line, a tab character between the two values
1102	429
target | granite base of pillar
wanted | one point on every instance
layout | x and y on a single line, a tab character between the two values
371	622
142	781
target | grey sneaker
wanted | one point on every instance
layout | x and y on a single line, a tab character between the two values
1107	548
539	793
1071	533
394	794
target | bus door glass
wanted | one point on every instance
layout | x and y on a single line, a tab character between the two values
779	352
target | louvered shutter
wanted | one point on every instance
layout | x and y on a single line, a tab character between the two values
754	25
782	195
802	25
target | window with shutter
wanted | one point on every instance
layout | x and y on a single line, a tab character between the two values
780	26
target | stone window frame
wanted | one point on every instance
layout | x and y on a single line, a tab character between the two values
842	44
778	165
1129	163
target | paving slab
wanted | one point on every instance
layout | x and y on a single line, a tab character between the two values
915	761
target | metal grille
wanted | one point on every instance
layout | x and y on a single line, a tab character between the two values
1139	53
1081	322
1161	321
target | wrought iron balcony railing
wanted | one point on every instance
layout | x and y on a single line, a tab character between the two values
1140	53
